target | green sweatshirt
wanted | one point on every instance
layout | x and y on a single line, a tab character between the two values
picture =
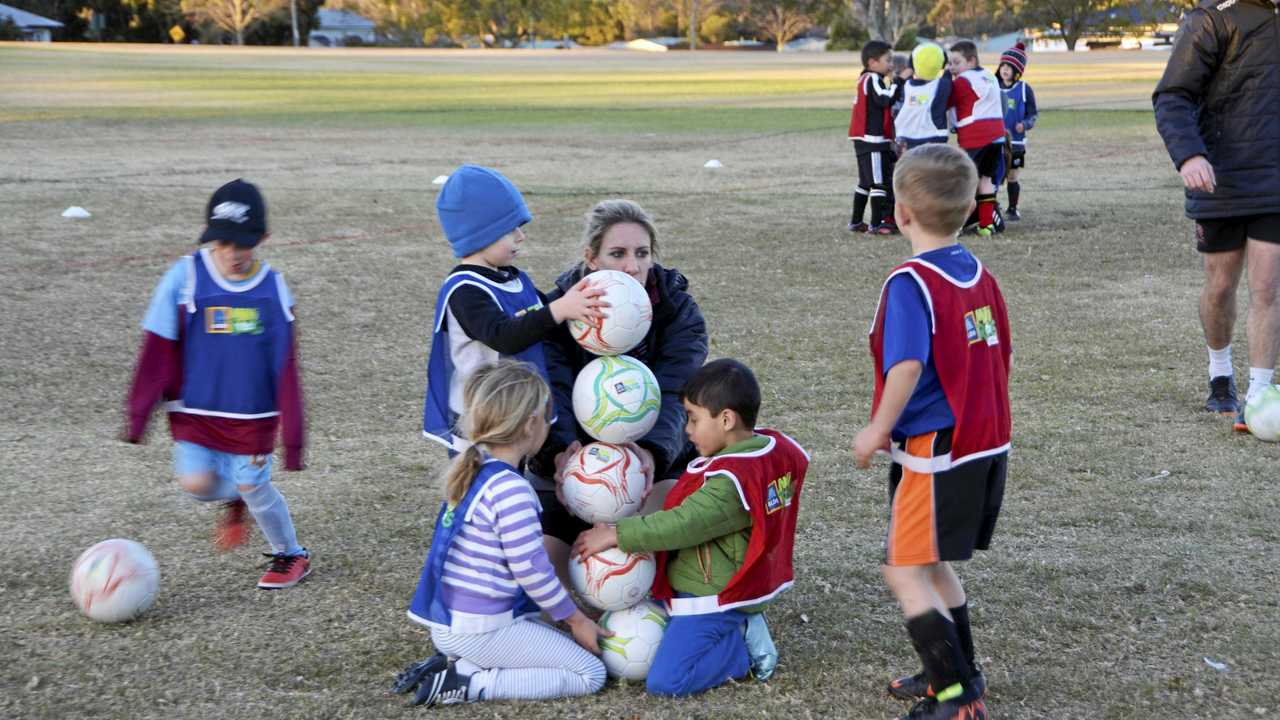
709	530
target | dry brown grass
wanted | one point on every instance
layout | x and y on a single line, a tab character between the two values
1107	587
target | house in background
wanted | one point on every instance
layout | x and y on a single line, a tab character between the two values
340	28
33	27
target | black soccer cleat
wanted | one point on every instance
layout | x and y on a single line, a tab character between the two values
446	687
916	687
1222	396
859	227
410	677
1011	215
931	709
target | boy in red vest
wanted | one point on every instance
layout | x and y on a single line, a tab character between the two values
723	539
979	108
940	341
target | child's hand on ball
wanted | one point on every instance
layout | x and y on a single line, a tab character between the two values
599	538
586	632
646	465
582	302
867	442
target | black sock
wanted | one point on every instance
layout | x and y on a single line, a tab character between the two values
1015	189
877	209
935	641
960	615
859	205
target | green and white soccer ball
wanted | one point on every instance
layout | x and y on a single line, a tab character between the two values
1262	414
637	633
616	399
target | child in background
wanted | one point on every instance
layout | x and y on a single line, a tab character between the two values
220	348
487	308
871	130
724	536
940	344
923	117
487	575
975	96
1019	117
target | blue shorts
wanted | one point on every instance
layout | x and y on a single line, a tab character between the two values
190	458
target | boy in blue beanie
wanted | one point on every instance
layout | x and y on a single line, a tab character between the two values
487	308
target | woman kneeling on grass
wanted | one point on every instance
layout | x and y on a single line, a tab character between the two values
487	575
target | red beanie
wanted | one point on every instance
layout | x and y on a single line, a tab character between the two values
1016	56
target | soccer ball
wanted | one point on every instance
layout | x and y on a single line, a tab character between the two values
629	315
1262	414
114	581
613	579
616	399
603	483
637	632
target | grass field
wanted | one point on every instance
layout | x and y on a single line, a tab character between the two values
1139	535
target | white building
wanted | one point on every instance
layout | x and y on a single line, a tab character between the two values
33	27
338	28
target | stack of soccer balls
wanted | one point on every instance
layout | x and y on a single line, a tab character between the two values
616	400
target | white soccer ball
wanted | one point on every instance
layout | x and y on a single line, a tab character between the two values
637	632
1262	414
629	315
616	399
114	581
613	579
603	483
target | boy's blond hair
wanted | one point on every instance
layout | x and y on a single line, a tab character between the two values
938	184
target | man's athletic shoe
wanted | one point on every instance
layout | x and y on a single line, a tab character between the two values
446	687
931	709
1222	396
231	531
1011	215
1240	425
859	227
285	571
412	676
916	687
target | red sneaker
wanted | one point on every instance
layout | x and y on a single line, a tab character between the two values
231	530
285	571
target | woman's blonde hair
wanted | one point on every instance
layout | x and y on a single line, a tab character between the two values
499	399
608	213
937	183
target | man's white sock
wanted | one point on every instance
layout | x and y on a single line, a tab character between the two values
1220	362
1259	379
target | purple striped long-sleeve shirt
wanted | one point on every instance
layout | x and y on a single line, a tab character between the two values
499	551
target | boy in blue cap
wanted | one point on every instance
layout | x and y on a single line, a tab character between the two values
219	347
487	308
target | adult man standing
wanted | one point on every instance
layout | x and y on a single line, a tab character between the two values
1218	110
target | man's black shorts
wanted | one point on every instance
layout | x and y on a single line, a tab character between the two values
1226	234
988	158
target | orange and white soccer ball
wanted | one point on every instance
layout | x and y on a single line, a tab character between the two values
629	315
613	579
604	483
115	580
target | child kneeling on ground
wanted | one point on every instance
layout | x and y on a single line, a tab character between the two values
723	539
487	575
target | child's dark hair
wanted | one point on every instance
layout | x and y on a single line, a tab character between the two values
873	50
725	384
967	49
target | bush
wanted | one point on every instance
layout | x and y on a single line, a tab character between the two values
9	30
846	33
907	42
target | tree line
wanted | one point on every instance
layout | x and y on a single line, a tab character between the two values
506	23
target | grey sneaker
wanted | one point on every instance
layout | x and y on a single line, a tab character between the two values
760	648
1222	396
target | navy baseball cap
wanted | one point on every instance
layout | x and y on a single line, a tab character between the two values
237	214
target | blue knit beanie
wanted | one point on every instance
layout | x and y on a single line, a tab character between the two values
476	207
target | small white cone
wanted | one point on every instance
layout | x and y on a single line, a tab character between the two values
712	164
440	180
76	212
